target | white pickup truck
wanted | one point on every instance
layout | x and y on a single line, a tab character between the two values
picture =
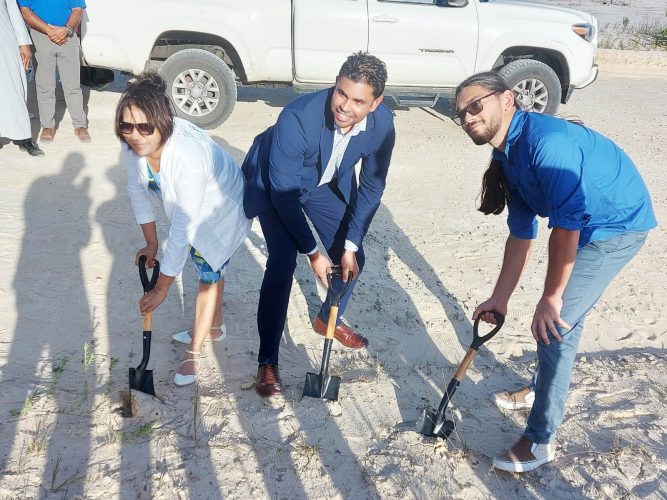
206	48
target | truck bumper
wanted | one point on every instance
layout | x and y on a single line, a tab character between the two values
567	93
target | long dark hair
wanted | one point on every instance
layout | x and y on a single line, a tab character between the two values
495	192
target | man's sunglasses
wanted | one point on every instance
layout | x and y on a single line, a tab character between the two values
143	128
474	108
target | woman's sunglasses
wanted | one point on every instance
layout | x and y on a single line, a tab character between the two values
474	108
143	128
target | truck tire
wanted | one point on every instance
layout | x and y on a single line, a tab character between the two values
536	85
201	87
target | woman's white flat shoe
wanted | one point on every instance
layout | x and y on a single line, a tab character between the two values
183	380
185	338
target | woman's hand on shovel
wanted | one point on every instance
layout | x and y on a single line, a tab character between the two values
150	251
151	300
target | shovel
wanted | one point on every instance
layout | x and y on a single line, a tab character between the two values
140	378
434	424
323	385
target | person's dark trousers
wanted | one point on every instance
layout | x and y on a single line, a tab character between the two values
330	216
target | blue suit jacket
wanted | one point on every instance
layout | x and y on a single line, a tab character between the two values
287	161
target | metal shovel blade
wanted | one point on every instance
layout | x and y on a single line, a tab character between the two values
428	425
142	380
321	386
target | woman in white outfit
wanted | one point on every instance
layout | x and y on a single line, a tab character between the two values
201	189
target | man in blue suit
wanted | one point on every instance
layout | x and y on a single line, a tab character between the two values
303	168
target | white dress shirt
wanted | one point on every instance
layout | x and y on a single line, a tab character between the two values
340	143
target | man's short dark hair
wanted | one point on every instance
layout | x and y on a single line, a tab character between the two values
361	67
149	94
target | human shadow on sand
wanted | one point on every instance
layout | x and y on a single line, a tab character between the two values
54	331
418	347
284	433
386	312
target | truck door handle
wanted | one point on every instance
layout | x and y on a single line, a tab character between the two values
384	19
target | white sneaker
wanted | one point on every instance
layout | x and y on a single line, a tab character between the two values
542	454
523	398
185	338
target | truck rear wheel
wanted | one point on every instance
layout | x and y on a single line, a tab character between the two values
536	85
201	86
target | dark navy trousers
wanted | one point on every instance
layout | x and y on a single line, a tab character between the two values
330	215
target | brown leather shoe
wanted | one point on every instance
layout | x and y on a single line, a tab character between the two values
268	382
343	334
82	134
47	135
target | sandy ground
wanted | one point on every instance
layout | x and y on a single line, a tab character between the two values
69	330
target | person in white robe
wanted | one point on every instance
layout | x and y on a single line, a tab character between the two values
15	56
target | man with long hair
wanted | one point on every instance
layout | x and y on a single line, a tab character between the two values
599	212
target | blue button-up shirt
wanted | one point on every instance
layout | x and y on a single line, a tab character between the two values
573	175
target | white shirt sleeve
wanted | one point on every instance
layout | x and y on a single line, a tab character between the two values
141	203
15	17
351	246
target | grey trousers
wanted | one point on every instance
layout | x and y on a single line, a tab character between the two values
47	57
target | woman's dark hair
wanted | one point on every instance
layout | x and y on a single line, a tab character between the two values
361	67
494	193
149	94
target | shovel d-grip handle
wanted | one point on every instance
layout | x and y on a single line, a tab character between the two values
336	295
148	284
477	341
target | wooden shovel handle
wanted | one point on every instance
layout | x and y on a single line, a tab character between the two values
331	324
148	322
465	364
